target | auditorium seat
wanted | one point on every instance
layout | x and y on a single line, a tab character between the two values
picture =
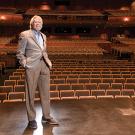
128	92
108	80
63	87
129	86
132	72
64	76
130	80
23	77
98	92
106	75
119	80
117	86
52	76
91	86
126	76
18	73
95	72
17	77
122	97
19	88
72	80
132	76
57	72
70	94
105	97
3	96
113	92
51	81
86	72
77	86
116	76
59	81
95	76
54	95
53	87
75	72
16	96
106	69
73	76
115	71
20	70
95	80
66	72
86	97
125	72
83	80
20	82
106	72
80	93
84	75
6	89
9	82
103	86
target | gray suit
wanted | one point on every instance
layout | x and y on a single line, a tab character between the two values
37	65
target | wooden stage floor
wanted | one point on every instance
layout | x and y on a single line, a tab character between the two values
75	117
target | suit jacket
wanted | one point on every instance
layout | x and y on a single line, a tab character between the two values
29	51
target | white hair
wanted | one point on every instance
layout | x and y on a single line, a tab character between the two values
33	19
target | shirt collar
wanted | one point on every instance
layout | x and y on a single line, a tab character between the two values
35	32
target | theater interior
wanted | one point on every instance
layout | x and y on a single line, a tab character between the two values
92	84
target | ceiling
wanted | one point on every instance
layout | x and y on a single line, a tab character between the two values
70	4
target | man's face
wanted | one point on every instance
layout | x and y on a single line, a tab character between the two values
37	24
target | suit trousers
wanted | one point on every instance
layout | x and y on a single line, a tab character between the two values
38	76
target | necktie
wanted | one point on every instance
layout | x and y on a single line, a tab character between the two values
40	40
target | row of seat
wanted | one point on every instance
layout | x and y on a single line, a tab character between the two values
92	67
91	77
103	77
85	60
74	78
74	86
89	63
17	80
85	78
81	84
85	71
91	80
74	48
71	94
81	71
90	73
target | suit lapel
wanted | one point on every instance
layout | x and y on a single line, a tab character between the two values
34	38
44	40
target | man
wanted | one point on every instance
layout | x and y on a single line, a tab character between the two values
33	57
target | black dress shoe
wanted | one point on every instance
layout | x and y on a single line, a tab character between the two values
49	121
32	124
